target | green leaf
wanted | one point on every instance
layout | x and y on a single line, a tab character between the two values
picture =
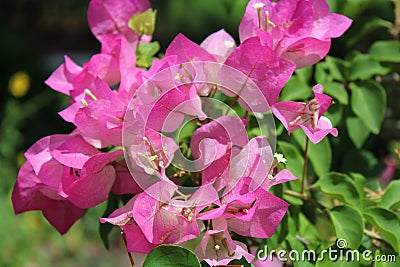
366	29
302	263
334	114
105	228
327	262
337	91
338	68
321	73
341	187
387	223
349	225
357	131
295	89
146	52
171	255
320	155
143	23
148	49
304	74
359	181
294	159
387	51
364	67
391	198
362	161
308	230
368	102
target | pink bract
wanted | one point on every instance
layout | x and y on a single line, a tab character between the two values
115	64
66	172
219	44
218	248
112	17
98	115
298	30
260	63
255	214
307	116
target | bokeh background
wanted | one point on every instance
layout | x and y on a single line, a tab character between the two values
34	36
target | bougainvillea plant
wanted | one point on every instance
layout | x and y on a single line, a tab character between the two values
184	146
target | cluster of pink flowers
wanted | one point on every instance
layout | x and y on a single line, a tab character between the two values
66	174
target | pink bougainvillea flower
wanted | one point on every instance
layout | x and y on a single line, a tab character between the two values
98	115
69	78
388	173
186	50
259	63
278	178
116	63
213	143
220	44
307	116
31	193
161	222
164	111
66	172
91	185
112	17
184	62
254	214
135	239
78	171
180	50
125	183
217	248
298	30
254	160
269	261
148	222
115	57
168	111
153	152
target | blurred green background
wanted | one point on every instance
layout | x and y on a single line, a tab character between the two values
35	34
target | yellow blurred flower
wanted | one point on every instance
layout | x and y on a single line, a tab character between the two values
19	84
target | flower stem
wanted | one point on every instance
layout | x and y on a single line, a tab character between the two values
232	104
137	45
304	176
372	234
126	246
306	198
396	27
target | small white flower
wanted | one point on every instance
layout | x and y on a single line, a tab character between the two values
258	5
280	158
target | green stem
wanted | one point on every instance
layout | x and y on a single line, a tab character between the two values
232	104
396	25
304	176
372	234
304	196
